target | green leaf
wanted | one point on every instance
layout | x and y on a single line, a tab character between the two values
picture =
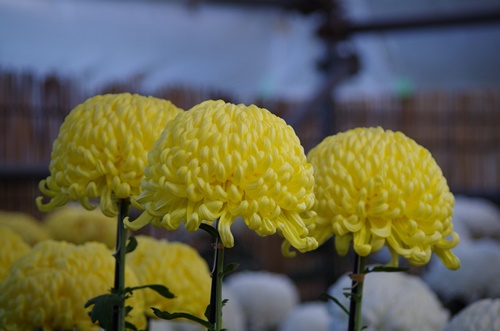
103	307
337	302
160	289
170	316
128	309
211	230
229	268
224	302
130	326
384	269
207	312
131	245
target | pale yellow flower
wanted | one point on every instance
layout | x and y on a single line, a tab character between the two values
101	150
78	225
220	161
48	288
12	247
376	188
177	266
27	226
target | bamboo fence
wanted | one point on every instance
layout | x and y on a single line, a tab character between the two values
460	128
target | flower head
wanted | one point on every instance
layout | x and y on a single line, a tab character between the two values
376	188
177	266
48	288
102	148
220	161
12	247
78	225
28	227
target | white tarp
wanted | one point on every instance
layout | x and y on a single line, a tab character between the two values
250	52
247	51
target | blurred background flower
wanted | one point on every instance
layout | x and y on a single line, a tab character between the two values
12	247
391	302
48	287
177	266
306	316
233	318
479	278
77	225
477	217
481	315
266	298
27	226
101	150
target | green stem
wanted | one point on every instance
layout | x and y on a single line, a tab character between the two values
215	316
356	294
119	284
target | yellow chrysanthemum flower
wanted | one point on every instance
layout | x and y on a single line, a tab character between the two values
376	188
12	247
220	161
177	266
48	288
28	227
78	225
101	150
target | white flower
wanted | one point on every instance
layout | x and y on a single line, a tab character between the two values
265	297
482	315
307	316
478	278
479	216
391	302
174	325
232	318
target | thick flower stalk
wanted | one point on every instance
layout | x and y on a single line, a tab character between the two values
28	227
101	150
12	247
177	266
48	288
78	225
376	187
220	161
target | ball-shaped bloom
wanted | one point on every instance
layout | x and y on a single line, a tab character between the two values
48	288
28	227
101	150
12	247
177	266
482	315
377	187
232	318
477	278
78	225
266	298
307	316
392	301
220	161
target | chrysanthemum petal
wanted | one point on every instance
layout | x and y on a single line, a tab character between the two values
221	161
101	150
384	189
